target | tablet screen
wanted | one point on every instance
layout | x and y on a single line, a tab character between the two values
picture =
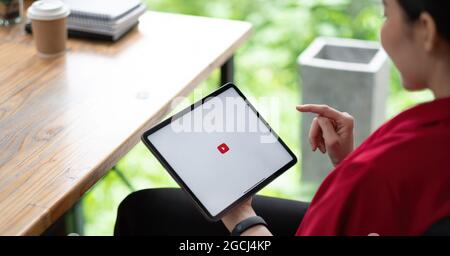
220	150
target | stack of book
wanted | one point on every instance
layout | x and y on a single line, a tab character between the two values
101	19
108	19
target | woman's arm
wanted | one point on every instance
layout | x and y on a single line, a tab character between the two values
240	213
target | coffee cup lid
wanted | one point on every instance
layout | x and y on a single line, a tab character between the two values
48	10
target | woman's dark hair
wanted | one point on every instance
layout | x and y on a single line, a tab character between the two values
438	9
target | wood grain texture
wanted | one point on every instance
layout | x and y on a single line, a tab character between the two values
64	122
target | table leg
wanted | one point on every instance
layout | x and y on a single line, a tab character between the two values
123	178
75	219
227	72
71	222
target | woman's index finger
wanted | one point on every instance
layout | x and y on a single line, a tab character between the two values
322	110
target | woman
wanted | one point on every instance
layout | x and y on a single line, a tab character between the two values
396	183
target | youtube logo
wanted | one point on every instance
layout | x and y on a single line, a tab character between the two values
223	148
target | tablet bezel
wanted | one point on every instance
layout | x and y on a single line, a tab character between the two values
253	190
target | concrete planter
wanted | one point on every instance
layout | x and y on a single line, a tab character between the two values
349	75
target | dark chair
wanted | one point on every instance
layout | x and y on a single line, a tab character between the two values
440	228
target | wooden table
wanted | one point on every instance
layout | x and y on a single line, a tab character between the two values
65	122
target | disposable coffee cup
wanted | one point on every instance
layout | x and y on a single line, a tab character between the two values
49	25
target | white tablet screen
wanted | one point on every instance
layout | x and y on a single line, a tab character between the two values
220	150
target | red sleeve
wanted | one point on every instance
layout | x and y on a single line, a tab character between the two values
354	201
389	194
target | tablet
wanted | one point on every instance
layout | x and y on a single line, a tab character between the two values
219	150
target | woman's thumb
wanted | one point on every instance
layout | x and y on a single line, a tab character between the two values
329	134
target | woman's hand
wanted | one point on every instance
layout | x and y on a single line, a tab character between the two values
331	131
240	213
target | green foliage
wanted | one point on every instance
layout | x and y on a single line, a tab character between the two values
266	66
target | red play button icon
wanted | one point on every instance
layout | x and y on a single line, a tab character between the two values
223	148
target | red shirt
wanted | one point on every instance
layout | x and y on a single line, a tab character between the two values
396	183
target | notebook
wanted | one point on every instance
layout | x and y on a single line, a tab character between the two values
92	25
102	19
102	10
